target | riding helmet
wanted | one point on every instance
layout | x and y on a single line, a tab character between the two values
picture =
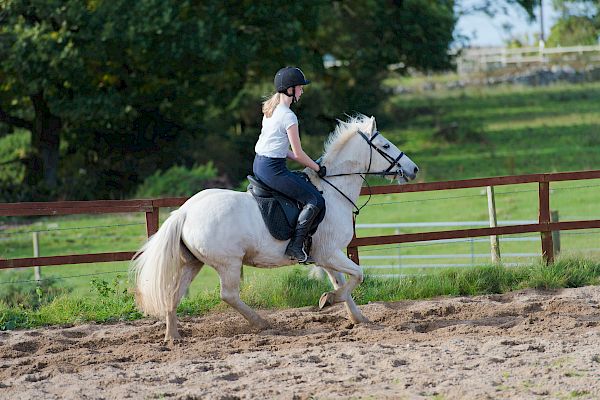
288	77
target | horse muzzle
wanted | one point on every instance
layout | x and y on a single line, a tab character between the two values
405	176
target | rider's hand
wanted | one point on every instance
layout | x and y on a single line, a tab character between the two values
322	172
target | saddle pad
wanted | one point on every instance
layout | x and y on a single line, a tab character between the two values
274	217
279	212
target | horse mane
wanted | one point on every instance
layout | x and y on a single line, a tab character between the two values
343	132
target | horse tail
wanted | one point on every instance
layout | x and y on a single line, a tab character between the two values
157	268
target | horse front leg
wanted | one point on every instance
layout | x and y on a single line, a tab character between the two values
336	266
337	280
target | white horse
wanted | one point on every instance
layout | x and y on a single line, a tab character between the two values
225	230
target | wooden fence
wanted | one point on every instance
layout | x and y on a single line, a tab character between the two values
544	225
151	209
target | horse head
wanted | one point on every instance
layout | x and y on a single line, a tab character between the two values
384	157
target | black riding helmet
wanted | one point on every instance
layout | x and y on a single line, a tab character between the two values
288	77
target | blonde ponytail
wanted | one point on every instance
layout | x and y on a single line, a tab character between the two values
270	105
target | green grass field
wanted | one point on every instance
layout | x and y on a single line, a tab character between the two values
498	131
451	135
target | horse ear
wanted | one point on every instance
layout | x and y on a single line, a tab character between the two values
373	125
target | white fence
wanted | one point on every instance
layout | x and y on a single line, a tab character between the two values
398	260
398	264
491	58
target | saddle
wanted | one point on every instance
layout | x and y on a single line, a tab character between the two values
279	212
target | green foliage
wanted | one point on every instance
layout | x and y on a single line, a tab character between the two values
116	301
564	273
13	153
89	73
199	304
13	148
18	290
177	181
573	31
293	289
103	288
296	289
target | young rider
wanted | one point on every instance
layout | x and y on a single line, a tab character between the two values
279	133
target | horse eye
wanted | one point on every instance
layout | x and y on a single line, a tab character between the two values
386	146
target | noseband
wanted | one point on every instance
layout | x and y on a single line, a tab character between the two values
393	163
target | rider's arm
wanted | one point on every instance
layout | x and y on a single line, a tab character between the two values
297	154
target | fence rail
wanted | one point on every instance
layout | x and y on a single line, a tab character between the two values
544	225
151	208
486	59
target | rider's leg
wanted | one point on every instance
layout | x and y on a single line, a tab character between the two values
275	174
299	248
296	249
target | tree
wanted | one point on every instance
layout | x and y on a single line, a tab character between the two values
362	38
25	71
116	90
573	31
579	23
123	83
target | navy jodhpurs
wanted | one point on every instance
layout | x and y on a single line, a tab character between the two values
274	173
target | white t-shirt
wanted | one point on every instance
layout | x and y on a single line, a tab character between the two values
273	140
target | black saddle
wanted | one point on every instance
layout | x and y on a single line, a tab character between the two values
279	212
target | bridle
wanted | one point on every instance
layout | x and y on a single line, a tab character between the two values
393	163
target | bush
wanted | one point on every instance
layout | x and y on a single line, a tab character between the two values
19	291
177	181
13	150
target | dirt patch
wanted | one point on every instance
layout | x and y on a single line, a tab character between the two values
528	344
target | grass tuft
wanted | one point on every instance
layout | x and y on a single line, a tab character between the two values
111	301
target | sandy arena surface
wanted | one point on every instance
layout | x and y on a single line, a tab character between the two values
523	345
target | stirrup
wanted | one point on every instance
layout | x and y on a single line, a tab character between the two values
307	261
304	259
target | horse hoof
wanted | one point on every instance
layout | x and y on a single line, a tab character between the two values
172	338
362	320
326	300
262	325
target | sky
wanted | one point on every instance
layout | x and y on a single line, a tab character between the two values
486	31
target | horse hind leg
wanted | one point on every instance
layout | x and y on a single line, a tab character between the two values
190	269
229	275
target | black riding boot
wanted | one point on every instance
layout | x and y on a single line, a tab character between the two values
296	249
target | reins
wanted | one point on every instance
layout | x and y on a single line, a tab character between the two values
393	162
348	198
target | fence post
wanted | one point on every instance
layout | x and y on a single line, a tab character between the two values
397	232
353	251
494	241
36	253
544	219
472	242
555	234
152	221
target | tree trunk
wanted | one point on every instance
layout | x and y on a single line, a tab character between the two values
45	143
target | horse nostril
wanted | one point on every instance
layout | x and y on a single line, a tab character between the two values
416	170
